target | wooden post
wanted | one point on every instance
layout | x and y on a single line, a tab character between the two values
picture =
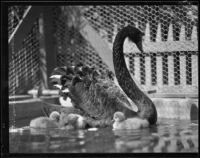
195	70
171	70
47	49
159	70
148	71
137	69
183	70
127	60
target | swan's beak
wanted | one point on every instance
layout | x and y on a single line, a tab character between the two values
58	86
66	90
56	76
140	46
55	80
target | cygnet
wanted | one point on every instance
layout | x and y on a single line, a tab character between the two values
46	122
73	121
131	123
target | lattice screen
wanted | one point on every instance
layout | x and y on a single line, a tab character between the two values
15	14
72	48
24	64
169	63
170	43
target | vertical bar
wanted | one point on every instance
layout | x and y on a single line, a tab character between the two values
159	70
127	60
137	69
171	70
158	36
132	63
194	33
189	69
182	33
49	47
170	33
165	69
194	70
183	70
153	69
142	70
148	71
147	33
42	54
176	57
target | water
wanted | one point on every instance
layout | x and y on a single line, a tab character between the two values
167	136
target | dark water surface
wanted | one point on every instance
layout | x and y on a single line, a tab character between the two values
168	136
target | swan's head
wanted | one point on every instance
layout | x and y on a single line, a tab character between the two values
62	76
135	35
118	116
54	116
84	70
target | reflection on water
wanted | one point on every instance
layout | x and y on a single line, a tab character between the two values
167	136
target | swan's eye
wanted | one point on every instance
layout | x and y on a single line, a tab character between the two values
66	123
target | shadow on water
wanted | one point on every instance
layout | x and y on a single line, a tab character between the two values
167	136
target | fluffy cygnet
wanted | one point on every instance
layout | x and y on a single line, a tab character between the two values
54	115
73	121
46	122
130	123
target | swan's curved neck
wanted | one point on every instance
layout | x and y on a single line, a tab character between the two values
146	108
123	76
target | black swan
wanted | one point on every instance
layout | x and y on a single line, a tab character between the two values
146	108
97	97
94	96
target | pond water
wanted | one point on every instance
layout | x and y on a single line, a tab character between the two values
168	136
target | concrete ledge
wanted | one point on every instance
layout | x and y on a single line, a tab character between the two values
28	108
19	97
173	95
176	108
172	108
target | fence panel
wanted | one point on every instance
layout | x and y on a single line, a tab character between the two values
169	63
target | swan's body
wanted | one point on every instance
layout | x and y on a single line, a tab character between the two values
97	96
46	122
131	123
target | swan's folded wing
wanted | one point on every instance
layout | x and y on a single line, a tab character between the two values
101	100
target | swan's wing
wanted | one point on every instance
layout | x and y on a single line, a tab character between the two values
101	100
